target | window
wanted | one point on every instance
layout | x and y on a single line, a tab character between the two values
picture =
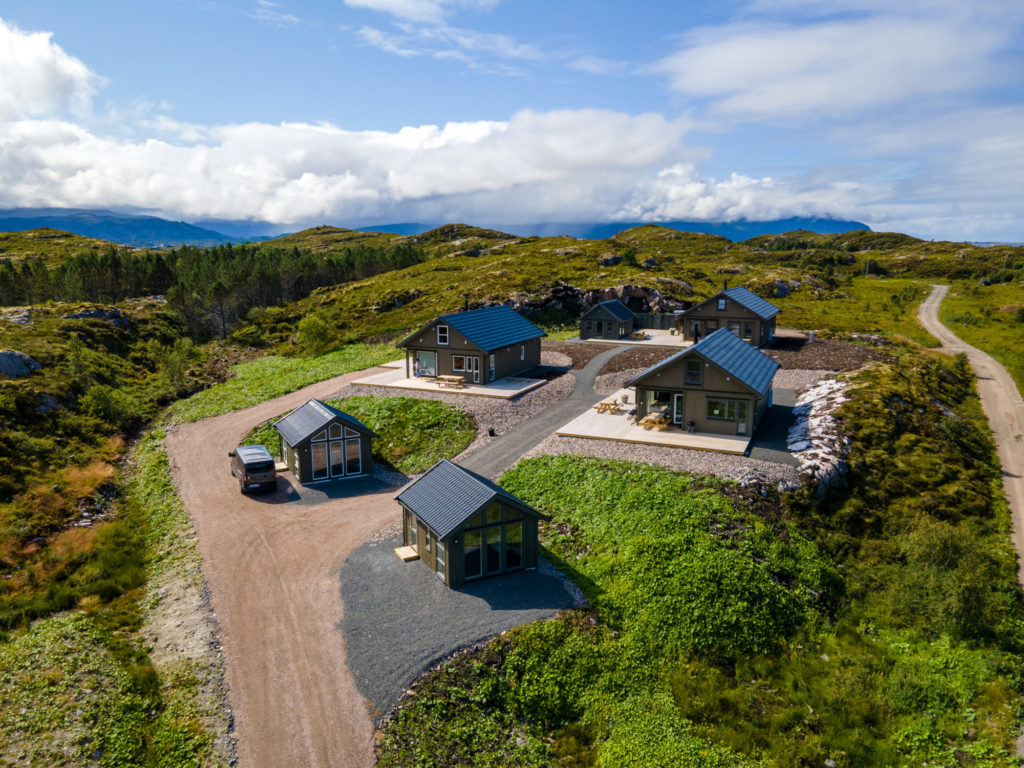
425	363
729	410
439	561
319	460
522	351
490	363
494	513
335	431
458	362
721	305
426	541
734	326
513	546
693	372
748	329
411	533
442	335
711	325
471	551
352	457
321	435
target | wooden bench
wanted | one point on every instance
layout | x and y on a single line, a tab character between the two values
455	382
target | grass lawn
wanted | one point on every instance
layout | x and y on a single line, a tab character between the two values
271	376
414	433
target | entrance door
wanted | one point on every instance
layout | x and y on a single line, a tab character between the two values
473	368
678	408
425	363
694	328
337	458
319	460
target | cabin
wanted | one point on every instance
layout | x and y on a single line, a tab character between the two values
320	443
608	320
721	385
464	527
480	345
739	310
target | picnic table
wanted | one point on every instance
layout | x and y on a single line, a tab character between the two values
608	406
657	418
638	335
455	382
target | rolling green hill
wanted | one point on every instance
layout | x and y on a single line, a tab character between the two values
51	245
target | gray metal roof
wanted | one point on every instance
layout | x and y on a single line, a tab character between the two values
729	352
310	418
616	307
747	298
250	453
489	328
447	495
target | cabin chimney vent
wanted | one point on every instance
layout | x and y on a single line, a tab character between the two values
725	285
465	302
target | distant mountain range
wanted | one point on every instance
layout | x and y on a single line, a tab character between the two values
154	232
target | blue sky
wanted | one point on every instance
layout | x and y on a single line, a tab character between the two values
906	116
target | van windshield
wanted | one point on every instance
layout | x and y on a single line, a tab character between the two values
259	467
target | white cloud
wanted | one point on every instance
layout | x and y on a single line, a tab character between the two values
423	11
37	77
835	67
267	12
477	50
595	65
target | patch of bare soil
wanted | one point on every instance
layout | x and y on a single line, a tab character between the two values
637	357
824	354
580	352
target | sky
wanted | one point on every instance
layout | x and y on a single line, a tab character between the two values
906	116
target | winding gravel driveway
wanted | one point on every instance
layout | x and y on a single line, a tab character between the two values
1002	404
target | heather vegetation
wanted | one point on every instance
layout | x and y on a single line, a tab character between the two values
879	626
887	611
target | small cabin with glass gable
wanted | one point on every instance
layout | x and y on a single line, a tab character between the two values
319	442
464	527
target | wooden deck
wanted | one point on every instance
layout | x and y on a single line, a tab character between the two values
618	426
653	339
506	388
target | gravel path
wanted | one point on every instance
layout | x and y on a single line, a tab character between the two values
740	468
400	620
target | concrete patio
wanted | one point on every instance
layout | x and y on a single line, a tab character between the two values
618	425
655	338
395	378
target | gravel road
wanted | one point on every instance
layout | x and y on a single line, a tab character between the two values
272	569
400	619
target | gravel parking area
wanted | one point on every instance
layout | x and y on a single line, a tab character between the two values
400	620
743	469
791	352
488	411
637	358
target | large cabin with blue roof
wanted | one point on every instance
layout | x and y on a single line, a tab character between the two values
481	345
739	310
721	385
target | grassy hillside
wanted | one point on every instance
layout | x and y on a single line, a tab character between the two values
52	245
882	626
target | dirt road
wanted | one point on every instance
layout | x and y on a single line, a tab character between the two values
273	569
1003	407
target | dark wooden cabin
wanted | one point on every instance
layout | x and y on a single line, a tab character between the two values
320	443
721	385
464	527
481	345
739	310
608	320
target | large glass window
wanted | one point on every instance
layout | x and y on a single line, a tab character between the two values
319	460
337	458
513	545
472	554
352	457
693	371
458	363
425	363
493	551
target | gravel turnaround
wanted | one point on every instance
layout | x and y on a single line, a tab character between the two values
400	620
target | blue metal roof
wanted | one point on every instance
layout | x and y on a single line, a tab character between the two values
729	352
747	298
447	495
616	307
310	418
489	328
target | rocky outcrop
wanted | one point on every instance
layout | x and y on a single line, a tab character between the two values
17	315
14	364
816	437
115	317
